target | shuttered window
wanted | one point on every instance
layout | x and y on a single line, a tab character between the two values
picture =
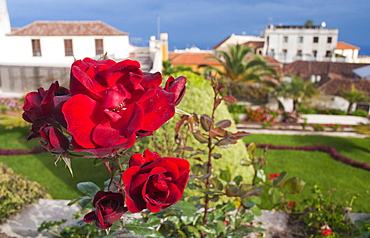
68	47
99	49
36	47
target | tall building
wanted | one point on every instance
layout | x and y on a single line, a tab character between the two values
291	43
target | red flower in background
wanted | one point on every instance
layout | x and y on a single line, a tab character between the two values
326	232
272	177
108	209
292	204
113	103
153	182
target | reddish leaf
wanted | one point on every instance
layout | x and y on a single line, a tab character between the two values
206	122
201	138
217	132
223	123
229	99
238	135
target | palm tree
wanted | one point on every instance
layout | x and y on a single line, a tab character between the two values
298	89
236	67
352	97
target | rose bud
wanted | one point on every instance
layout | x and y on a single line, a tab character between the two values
108	209
153	182
176	86
55	141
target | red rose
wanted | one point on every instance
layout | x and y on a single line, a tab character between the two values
42	104
272	177
326	232
55	141
153	182
108	209
176	86
112	103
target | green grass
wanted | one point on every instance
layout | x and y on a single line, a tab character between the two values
40	167
319	168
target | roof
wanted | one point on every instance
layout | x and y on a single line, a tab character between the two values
239	39
191	59
255	44
363	72
67	28
335	85
345	46
305	69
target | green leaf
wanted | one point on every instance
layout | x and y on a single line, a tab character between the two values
88	188
228	207
153	221
143	231
251	149
217	156
238	179
225	175
85	202
280	179
216	184
221	226
256	211
248	217
187	208
194	231
181	233
275	195
206	229
261	175
294	185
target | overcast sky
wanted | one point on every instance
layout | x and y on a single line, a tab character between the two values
202	23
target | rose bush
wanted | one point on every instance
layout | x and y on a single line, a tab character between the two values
109	207
114	103
154	182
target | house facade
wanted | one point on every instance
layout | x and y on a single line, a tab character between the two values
347	51
59	43
291	43
233	39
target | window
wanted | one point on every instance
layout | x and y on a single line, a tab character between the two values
328	53
99	49
316	39
36	47
314	53
299	53
68	47
300	39
285	39
329	39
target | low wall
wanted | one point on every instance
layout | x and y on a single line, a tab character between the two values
334	119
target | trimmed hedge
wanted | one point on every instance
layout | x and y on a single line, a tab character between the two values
323	148
16	192
33	150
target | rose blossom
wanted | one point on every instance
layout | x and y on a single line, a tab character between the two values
153	182
113	103
55	141
108	209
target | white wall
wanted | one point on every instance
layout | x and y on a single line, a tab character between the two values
276	42
18	49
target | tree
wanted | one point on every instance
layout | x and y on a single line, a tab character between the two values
353	96
237	68
309	23
298	89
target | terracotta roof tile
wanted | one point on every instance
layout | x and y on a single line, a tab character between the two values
345	46
305	69
67	28
335	84
191	59
255	44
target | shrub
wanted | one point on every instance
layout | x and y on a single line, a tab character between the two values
291	117
198	97
16	192
359	113
249	93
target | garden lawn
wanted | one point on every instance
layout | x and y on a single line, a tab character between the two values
40	167
319	168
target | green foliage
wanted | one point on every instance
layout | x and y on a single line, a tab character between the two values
298	90
359	113
169	69
318	127
197	99
321	210
249	93
353	96
363	227
327	111
16	192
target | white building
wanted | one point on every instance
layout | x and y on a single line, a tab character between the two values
237	39
347	51
58	43
291	43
